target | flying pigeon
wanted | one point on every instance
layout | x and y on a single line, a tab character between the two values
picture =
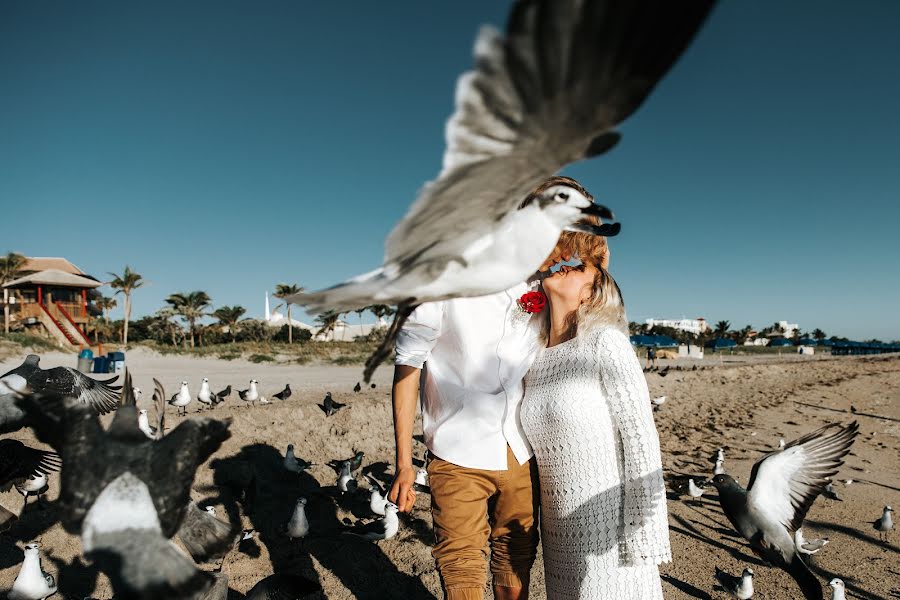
329	406
380	529
783	485
181	399
884	524
548	93
285	393
739	587
32	583
126	495
808	547
30	378
283	586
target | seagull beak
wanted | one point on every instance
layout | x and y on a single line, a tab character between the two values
598	210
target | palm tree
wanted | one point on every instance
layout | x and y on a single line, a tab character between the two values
190	307
722	328
283	290
327	322
10	267
228	316
818	334
105	304
124	284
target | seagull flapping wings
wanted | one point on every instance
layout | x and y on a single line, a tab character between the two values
18	461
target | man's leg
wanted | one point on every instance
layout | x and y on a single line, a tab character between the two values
459	508
514	529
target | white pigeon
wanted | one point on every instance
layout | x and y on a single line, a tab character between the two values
694	491
837	589
658	402
205	396
548	93
380	529
144	424
346	482
251	394
719	468
805	546
739	587
298	526
32	583
182	398
884	524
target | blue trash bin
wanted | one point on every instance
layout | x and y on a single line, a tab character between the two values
101	364
116	362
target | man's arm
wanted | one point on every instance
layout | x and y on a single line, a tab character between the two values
405	394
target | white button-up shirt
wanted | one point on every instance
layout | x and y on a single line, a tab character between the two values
477	352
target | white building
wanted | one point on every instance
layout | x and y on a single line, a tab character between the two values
342	332
788	328
695	326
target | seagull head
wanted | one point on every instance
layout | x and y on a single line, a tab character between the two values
748	572
836	584
565	204
390	507
888	509
210	509
301	501
205	380
32	548
143	411
290	447
184	384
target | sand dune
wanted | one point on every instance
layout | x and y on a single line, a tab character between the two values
742	405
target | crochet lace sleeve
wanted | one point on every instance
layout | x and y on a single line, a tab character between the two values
644	537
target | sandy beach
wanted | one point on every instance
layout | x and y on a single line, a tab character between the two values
742	404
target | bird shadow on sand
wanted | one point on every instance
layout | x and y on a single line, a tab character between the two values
687	528
361	566
30	525
854	533
686	588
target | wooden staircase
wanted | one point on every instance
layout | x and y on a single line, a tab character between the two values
61	327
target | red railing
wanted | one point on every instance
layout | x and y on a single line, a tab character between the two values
72	323
65	332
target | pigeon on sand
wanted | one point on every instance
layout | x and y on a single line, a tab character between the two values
549	92
783	485
32	583
329	406
285	393
126	495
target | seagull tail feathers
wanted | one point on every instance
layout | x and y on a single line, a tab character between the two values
350	295
205	537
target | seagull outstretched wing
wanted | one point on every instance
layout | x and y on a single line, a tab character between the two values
18	461
547	93
785	483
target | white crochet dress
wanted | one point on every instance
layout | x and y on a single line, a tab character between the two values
587	415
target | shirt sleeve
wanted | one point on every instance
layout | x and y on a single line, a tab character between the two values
419	334
644	534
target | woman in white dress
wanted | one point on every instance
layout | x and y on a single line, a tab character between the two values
588	418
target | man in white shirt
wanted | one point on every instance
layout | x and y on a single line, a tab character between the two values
482	476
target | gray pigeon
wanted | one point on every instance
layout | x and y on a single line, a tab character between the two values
30	378
127	495
285	393
329	406
783	485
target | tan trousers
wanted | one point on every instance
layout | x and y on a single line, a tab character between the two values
475	509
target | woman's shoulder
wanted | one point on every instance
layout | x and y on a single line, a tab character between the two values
606	336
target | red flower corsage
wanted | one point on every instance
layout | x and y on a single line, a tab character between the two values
532	302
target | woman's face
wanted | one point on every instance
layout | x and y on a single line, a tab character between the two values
570	286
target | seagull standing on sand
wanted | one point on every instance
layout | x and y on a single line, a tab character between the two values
251	394
377	501
294	464
694	491
739	587
32	583
837	589
205	396
884	524
144	424
550	92
719	468
783	485
658	402
808	547
380	529
33	486
181	399
298	526
830	493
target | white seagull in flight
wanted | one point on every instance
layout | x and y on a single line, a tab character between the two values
549	92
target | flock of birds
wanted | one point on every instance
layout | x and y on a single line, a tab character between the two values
125	491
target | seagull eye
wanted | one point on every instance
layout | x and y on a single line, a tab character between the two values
563	196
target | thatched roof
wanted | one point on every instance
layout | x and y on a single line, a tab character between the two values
56	278
44	263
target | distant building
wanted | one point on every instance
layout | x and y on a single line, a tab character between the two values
695	326
342	332
785	329
56	296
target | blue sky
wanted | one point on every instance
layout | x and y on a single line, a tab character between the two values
228	146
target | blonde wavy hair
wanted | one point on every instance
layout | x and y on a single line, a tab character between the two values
603	308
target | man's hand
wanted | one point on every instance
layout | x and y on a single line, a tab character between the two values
402	493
